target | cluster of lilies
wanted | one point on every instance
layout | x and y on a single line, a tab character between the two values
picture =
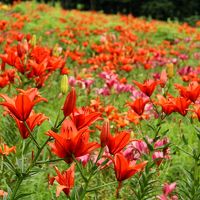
99	135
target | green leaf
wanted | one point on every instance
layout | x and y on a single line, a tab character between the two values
148	144
165	132
184	139
23	195
8	166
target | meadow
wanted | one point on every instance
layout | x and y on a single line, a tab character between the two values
97	106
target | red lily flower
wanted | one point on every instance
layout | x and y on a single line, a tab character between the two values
33	120
148	87
138	105
191	92
167	106
4	81
71	142
70	103
83	117
65	180
33	94
124	169
12	59
181	105
7	150
21	106
114	143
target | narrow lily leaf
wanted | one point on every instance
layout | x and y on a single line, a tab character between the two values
23	195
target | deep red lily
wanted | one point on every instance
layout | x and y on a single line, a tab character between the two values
21	106
191	92
114	143
124	169
181	105
84	118
65	180
138	105
147	87
71	142
167	106
33	120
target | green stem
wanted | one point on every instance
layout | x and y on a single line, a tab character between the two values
49	161
21	178
197	164
56	119
36	156
31	135
154	107
60	122
92	173
83	176
98	157
101	186
23	147
19	181
86	186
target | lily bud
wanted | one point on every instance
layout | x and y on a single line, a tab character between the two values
57	50
105	133
70	103
170	70
64	84
33	40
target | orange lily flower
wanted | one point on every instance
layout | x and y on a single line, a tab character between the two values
191	92
21	106
133	117
181	105
7	150
147	87
167	106
83	117
138	105
65	180
124	169
33	120
71	142
114	143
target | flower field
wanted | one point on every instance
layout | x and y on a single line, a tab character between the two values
97	106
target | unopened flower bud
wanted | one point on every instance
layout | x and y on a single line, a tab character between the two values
33	40
170	70
64	84
70	103
56	50
105	133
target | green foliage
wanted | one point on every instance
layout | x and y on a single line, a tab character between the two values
144	184
8	131
189	185
158	9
